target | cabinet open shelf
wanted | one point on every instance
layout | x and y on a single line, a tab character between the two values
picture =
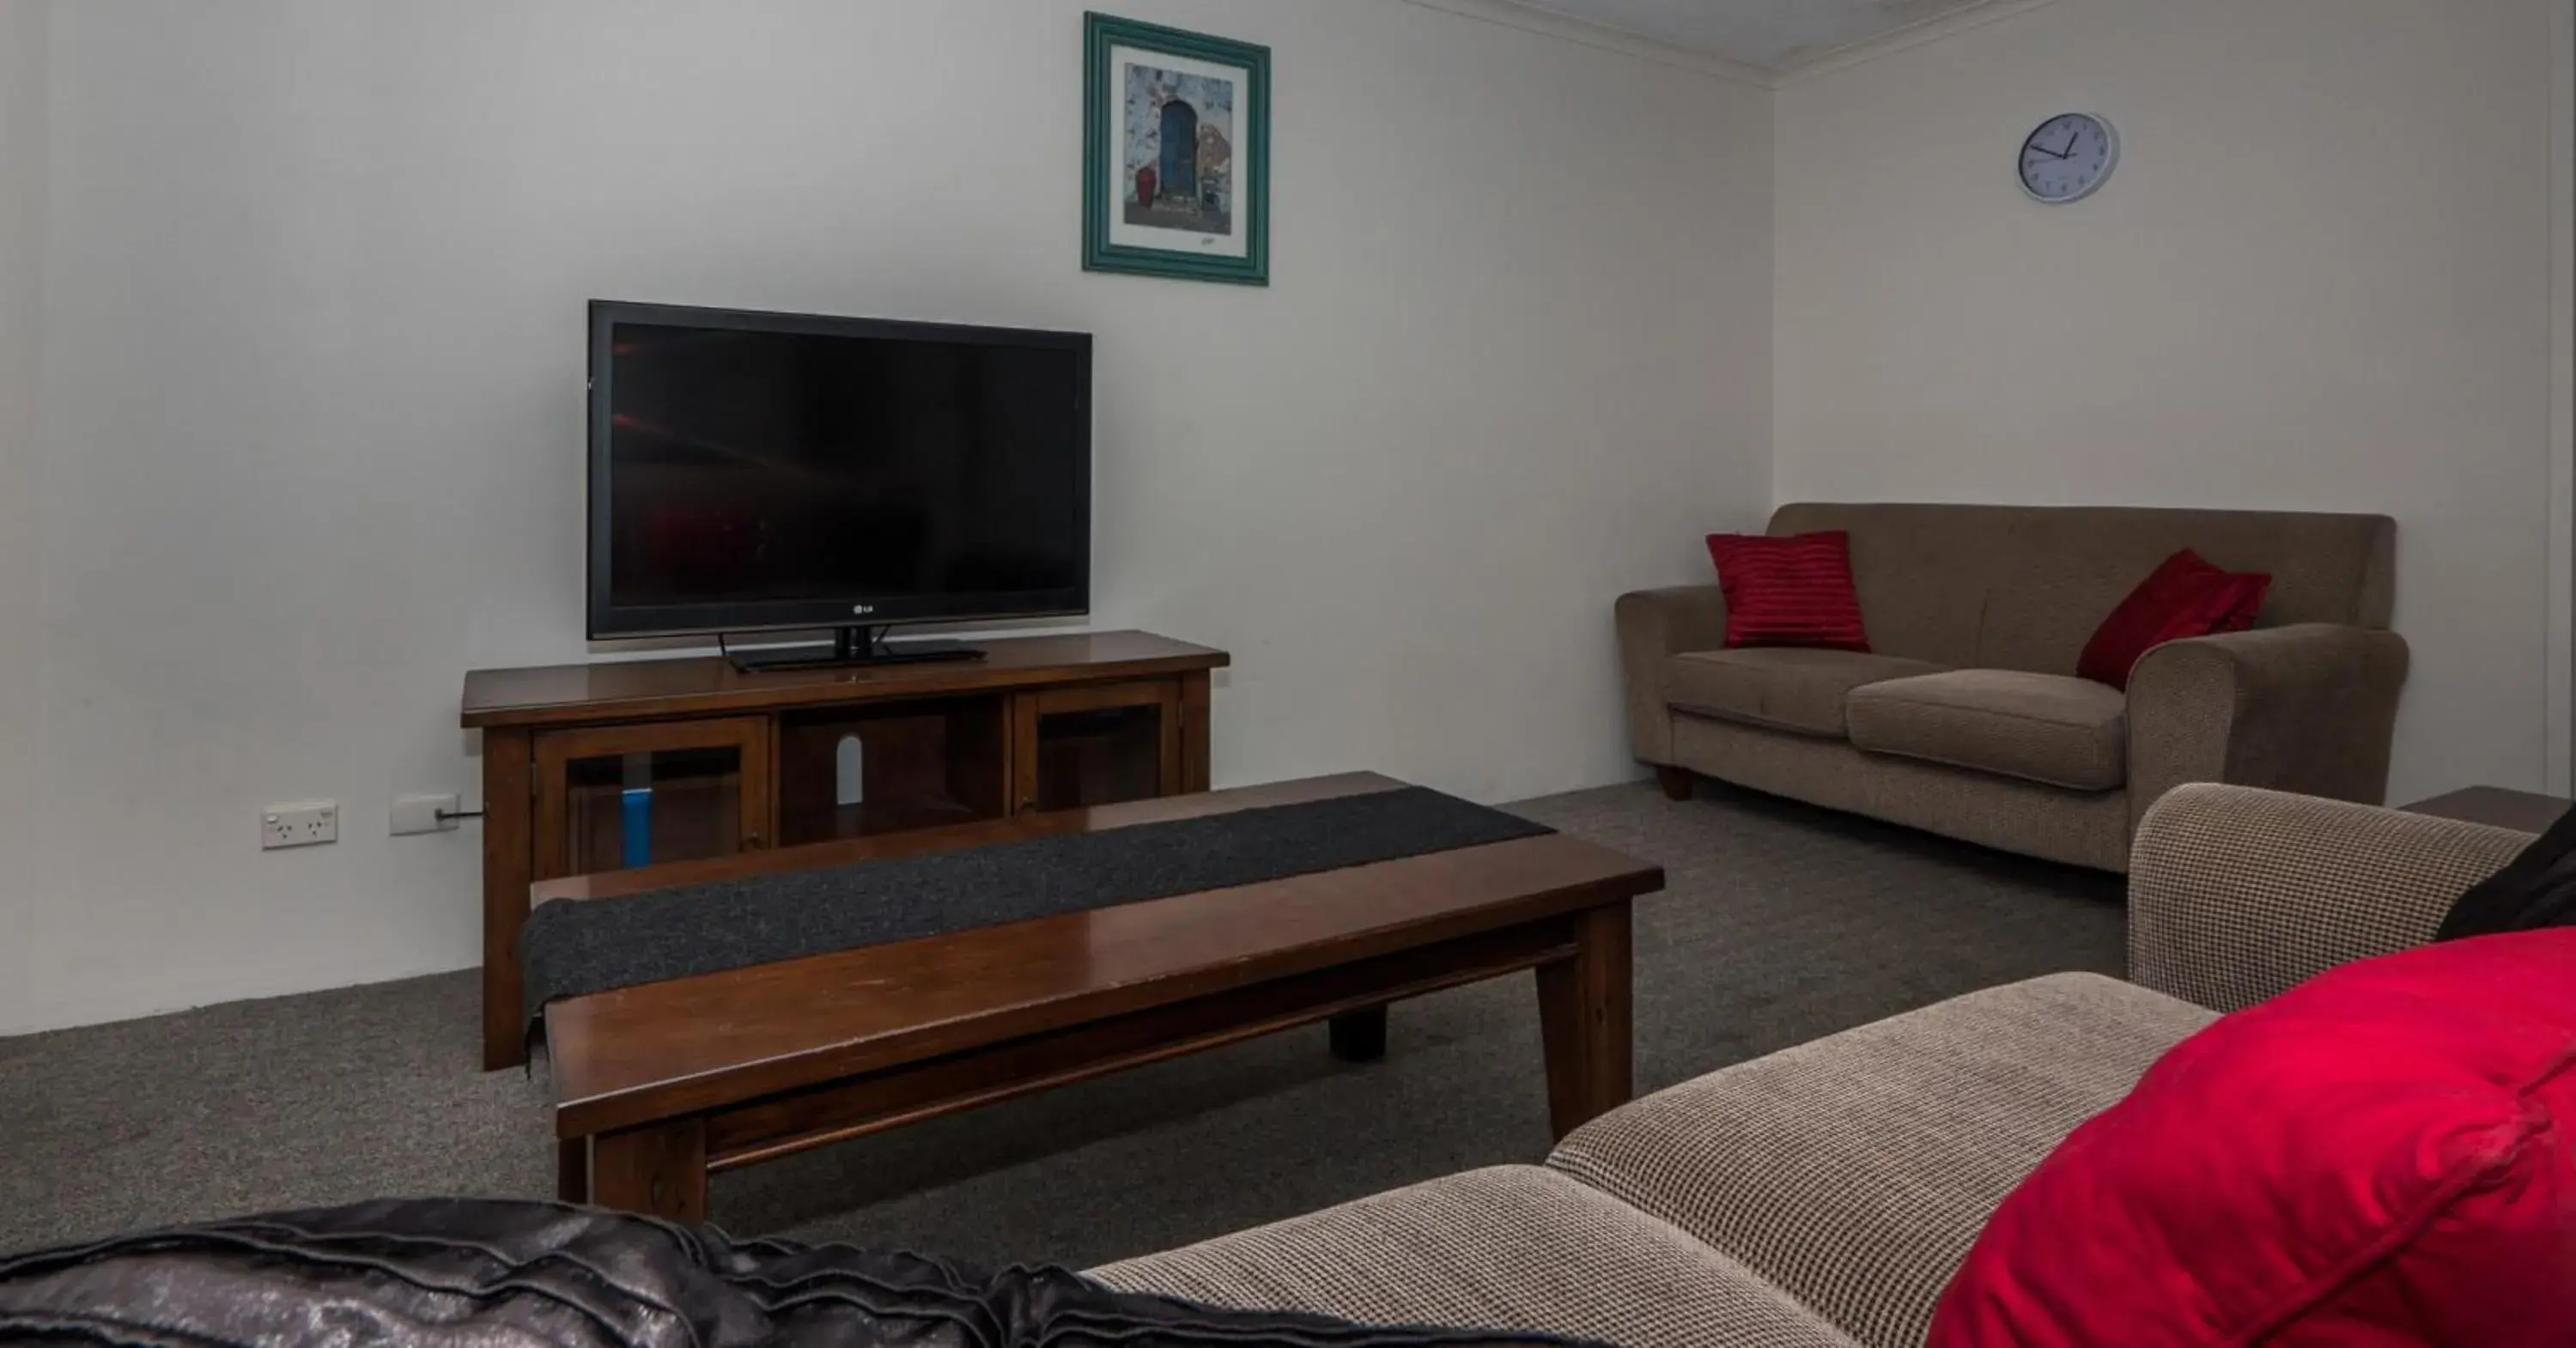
921	764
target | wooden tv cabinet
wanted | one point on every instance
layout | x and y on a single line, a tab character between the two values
600	767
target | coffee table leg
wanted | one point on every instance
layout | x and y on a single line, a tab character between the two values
659	1170
1360	1036
1585	1018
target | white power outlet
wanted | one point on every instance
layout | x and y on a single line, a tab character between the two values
302	823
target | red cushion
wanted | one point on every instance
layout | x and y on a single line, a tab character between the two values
1792	591
2380	1156
2183	597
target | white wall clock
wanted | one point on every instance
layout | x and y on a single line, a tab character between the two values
2068	158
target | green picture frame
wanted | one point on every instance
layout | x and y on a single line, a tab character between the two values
1175	153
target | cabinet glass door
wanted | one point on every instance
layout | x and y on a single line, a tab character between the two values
614	798
1078	747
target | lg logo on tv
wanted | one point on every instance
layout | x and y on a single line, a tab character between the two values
863	608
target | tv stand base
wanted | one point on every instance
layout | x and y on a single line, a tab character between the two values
852	646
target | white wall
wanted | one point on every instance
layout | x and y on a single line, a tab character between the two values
22	220
316	276
2320	280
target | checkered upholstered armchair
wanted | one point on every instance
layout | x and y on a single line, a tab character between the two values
1823	1195
2236	894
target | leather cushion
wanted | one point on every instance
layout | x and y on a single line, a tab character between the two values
492	1272
2537	889
1781	688
2039	727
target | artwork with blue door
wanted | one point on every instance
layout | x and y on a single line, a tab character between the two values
1175	153
1180	151
1180	161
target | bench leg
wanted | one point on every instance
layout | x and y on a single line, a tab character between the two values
1360	1036
659	1170
572	1170
1585	1019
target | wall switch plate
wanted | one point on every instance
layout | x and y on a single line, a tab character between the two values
420	814
302	823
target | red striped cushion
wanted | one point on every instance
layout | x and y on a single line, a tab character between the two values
1793	591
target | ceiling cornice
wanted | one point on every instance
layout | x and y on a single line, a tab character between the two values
1548	24
1947	24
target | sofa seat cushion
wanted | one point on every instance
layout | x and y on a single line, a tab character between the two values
1782	688
1513	1247
1855	1171
2039	727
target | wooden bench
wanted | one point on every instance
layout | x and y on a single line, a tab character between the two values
659	1084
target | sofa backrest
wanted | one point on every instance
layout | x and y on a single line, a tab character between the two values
2023	587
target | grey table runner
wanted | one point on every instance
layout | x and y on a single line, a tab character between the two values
569	949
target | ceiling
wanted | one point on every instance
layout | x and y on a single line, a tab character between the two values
1771	34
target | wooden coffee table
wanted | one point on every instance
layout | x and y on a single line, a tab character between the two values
2497	807
659	1084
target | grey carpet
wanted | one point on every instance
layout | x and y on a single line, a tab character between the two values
576	948
1781	924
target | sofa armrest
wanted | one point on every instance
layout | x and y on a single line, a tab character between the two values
2235	894
1654	626
2309	708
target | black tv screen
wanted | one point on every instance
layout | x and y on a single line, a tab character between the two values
755	471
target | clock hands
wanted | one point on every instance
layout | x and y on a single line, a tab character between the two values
2073	138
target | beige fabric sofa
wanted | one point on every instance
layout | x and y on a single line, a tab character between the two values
1825	1194
1968	719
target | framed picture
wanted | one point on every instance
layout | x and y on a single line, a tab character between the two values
1176	153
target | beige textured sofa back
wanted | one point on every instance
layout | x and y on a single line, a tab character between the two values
2022	587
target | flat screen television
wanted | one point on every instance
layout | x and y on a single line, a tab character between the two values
756	471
